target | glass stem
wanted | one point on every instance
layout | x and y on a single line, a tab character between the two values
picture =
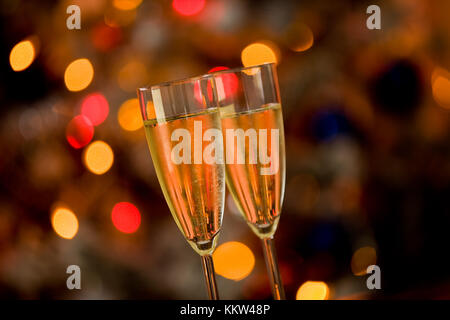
208	271
270	256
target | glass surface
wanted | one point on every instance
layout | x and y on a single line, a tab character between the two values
180	120
252	125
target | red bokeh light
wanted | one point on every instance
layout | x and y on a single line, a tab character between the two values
126	217
105	38
229	80
188	7
79	131
95	107
230	84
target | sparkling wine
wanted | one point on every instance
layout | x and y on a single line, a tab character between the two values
258	196
194	191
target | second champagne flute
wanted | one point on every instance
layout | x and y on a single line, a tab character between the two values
183	130
252	125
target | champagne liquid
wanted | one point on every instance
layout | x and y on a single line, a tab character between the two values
258	197
194	192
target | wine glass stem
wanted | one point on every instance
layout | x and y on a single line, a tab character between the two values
270	256
208	270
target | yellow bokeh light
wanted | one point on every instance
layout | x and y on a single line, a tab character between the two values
98	157
126	4
313	290
259	53
361	259
22	55
65	223
440	81
129	115
233	260
78	74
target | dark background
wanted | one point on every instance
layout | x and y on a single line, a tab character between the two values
367	136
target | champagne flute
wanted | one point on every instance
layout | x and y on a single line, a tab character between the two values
252	125
181	118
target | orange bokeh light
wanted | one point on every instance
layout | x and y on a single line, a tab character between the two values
303	39
361	259
22	55
313	290
126	4
64	222
98	157
233	260
259	53
129	115
440	81
78	74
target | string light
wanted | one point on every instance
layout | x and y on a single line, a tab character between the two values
78	74
233	260
98	157
22	55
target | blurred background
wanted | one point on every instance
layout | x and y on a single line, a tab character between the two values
367	132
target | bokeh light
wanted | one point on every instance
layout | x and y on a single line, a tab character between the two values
98	157
105	37
126	4
301	39
95	107
227	84
22	55
126	217
259	53
132	75
79	131
361	259
313	290
64	222
117	18
78	74
129	115
188	7
233	260
440	81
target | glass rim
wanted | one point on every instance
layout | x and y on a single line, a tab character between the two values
203	76
240	69
175	82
